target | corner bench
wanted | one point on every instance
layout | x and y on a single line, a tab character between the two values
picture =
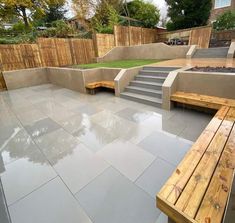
94	85
198	190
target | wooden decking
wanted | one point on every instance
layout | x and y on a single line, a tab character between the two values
198	190
202	100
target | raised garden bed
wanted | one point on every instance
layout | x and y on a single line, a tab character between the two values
214	69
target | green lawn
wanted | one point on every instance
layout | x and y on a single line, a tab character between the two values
117	64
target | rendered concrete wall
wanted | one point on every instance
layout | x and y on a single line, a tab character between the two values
213	84
231	51
25	78
67	77
146	51
123	79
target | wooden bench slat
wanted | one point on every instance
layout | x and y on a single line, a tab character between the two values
176	183
194	191
106	84
216	197
202	100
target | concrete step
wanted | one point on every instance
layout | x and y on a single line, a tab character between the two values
148	85
144	91
150	78
142	99
154	73
151	68
219	52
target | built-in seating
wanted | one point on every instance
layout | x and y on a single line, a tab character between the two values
94	85
199	188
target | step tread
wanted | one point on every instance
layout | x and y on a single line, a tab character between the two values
150	76
144	89
154	71
146	82
143	97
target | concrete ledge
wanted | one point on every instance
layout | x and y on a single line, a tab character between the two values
25	78
191	51
146	51
231	51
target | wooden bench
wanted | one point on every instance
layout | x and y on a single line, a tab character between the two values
94	85
198	190
202	100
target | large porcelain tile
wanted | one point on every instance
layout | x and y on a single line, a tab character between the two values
80	167
51	203
25	175
94	136
113	198
19	146
166	146
4	216
8	132
42	127
133	114
155	176
62	146
128	158
113	106
154	122
162	218
87	109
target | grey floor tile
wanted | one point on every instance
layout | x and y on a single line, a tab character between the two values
80	167
52	203
25	175
113	198
155	176
162	218
87	109
166	146
126	157
134	114
42	127
4	215
94	136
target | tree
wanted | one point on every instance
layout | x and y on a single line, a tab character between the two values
147	13
24	9
225	21
188	13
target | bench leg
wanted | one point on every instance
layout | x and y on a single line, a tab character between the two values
170	220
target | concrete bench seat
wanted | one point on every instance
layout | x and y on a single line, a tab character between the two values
93	85
198	190
202	100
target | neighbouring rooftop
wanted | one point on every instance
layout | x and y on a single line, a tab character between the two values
72	157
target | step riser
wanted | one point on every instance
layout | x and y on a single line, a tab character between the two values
142	101
149	79
146	93
147	86
157	74
169	69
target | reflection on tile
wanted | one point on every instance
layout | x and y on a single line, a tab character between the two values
155	176
129	159
133	114
87	109
94	136
166	146
41	127
19	146
79	168
4	216
52	203
25	175
30	116
113	198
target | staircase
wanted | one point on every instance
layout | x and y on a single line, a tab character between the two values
146	88
219	52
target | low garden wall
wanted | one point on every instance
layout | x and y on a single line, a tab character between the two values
146	51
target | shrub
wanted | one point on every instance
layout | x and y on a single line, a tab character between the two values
225	21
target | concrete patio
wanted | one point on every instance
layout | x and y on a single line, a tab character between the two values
72	157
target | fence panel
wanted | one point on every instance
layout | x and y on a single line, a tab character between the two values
148	35
135	35
104	43
121	35
82	51
48	52
200	37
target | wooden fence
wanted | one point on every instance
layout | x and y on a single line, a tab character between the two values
46	52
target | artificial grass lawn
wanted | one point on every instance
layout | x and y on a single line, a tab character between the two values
117	64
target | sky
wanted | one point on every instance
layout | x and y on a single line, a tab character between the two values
161	4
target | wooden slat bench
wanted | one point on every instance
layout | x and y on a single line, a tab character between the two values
94	85
202	100
198	190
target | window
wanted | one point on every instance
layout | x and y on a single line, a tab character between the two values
222	3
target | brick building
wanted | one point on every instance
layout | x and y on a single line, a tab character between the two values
220	6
